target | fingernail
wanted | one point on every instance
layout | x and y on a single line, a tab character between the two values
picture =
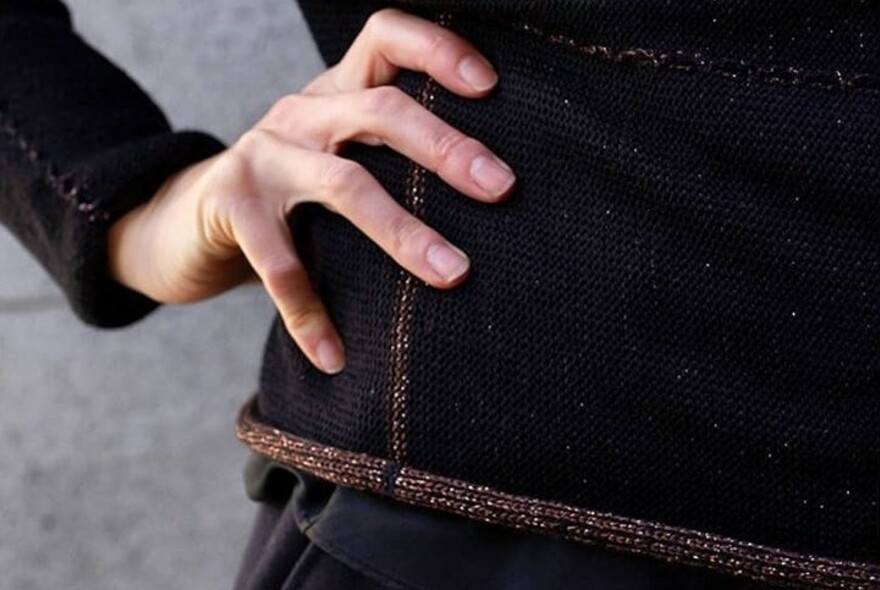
492	175
330	357
448	261
477	73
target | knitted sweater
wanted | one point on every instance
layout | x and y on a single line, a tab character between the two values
668	345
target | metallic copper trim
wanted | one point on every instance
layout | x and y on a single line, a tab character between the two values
627	535
868	83
354	470
406	288
406	293
399	365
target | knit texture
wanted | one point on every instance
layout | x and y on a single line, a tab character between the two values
675	316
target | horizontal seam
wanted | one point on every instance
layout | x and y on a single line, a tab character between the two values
63	185
681	60
634	536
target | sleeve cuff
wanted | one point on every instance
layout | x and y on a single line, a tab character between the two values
102	190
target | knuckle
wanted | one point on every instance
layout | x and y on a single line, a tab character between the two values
447	143
380	18
383	101
277	276
288	107
442	48
342	177
248	154
234	165
252	142
439	42
305	318
405	232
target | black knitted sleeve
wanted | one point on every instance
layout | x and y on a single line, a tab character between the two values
80	145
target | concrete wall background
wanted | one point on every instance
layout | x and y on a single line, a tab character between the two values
107	438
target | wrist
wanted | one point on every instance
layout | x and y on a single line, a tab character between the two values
126	252
150	247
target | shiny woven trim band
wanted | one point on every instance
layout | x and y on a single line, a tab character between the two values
672	544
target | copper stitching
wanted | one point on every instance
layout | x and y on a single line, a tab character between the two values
400	348
358	471
676	544
406	293
399	364
633	536
63	185
728	68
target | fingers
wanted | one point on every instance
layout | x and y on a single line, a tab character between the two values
356	195
387	115
264	238
394	40
348	189
286	162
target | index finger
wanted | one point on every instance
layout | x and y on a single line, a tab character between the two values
393	40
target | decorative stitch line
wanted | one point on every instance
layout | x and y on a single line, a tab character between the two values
729	68
632	536
406	292
63	185
628	535
400	343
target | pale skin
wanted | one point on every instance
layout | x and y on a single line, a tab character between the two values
223	222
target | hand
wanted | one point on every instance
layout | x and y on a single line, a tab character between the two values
218	223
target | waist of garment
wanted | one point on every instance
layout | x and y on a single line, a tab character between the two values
669	342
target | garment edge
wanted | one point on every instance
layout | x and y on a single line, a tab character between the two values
364	472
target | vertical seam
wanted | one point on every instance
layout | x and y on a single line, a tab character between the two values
405	295
640	537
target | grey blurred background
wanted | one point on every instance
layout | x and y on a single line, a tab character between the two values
108	438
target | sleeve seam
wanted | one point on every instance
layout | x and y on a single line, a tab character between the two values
62	184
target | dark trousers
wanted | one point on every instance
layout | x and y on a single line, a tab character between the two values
312	535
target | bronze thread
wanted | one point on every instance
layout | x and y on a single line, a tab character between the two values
681	60
405	300
633	536
63	185
609	531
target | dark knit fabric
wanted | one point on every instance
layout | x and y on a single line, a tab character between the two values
80	145
674	319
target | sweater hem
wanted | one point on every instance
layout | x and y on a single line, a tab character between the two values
364	472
